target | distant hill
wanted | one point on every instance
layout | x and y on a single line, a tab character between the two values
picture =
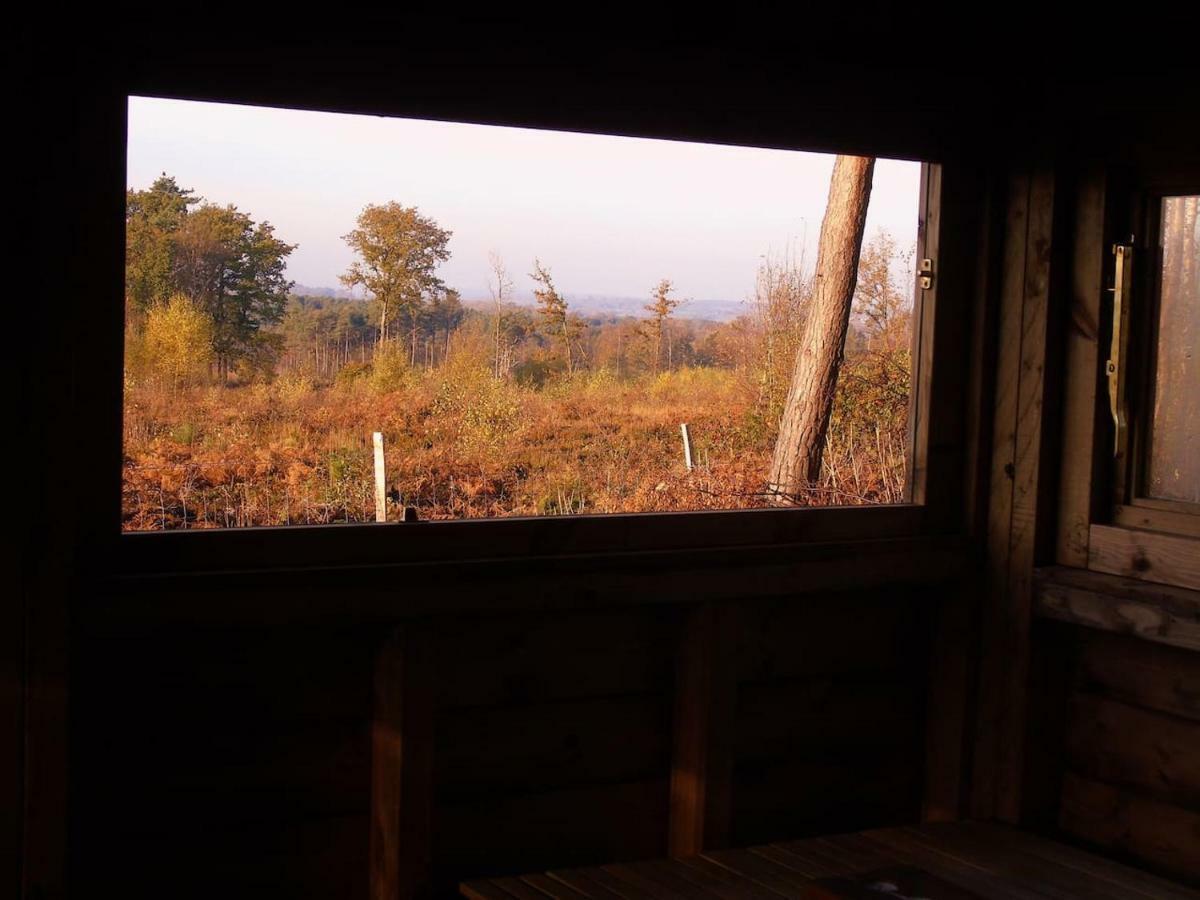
617	307
585	304
304	290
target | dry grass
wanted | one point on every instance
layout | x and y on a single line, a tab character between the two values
462	444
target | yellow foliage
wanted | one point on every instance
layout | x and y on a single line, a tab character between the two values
177	341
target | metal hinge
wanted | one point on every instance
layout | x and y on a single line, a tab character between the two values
926	273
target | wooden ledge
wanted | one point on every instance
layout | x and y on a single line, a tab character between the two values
1155	612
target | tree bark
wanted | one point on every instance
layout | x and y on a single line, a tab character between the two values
797	459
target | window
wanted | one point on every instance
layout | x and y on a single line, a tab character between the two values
1155	381
338	319
1173	435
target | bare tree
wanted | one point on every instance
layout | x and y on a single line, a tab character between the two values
797	459
501	288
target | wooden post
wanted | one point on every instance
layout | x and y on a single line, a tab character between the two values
402	768
380	481
702	755
687	445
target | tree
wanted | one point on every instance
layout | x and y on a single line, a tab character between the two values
152	219
879	301
796	462
500	286
177	341
552	306
660	307
234	269
398	251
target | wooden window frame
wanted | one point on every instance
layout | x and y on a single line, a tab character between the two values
1104	524
937	445
1131	504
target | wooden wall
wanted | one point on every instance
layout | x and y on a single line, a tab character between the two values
1129	747
223	759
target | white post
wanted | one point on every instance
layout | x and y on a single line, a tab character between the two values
687	445
380	481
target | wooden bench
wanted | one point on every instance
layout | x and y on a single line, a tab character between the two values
950	861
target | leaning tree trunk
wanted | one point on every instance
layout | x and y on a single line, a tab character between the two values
797	460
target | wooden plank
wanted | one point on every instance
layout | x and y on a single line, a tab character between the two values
1141	673
1149	519
578	880
760	870
1159	835
702	744
1079	477
1155	612
516	887
483	890
1145	555
805	864
524	658
1136	883
402	767
569	827
606	881
1041	874
719	881
947	691
784	640
551	746
1110	741
820	719
995	654
766	886
657	882
911	850
552	887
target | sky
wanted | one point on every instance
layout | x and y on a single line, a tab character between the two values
610	216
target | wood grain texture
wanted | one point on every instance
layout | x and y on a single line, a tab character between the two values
1151	752
402	768
703	740
1145	555
1161	613
1149	675
1079	474
1019	501
967	860
1160	835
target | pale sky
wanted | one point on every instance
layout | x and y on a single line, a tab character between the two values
608	215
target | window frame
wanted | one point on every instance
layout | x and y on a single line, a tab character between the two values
936	463
1131	505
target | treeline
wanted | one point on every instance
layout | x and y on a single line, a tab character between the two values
207	301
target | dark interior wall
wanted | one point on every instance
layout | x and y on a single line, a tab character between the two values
221	758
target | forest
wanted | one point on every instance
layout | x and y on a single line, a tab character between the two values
247	403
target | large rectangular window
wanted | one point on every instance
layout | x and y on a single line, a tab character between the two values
335	318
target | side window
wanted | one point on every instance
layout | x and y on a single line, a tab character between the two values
1172	446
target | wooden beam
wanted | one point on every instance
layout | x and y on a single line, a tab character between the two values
1081	435
1019	502
402	768
1144	555
702	747
1161	613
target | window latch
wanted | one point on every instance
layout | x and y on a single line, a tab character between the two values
1123	254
